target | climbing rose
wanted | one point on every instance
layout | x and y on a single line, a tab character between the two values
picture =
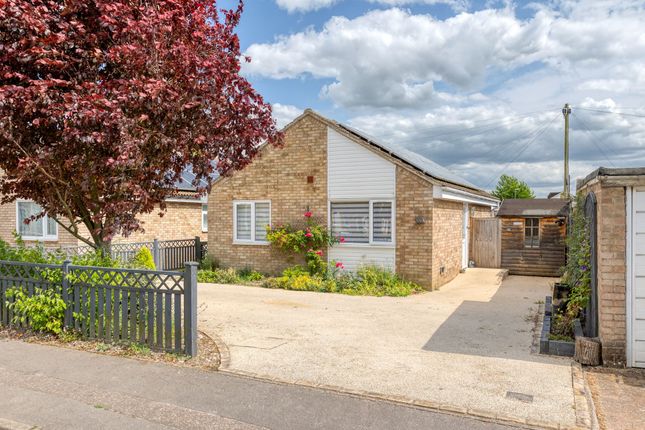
308	214
339	265
308	234
319	252
341	239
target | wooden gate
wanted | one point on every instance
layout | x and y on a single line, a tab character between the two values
485	242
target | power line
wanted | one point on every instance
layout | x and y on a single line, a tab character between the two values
593	139
524	148
615	113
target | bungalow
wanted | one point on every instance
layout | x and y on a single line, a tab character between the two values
185	217
394	207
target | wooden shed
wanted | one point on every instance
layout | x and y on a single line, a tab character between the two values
533	236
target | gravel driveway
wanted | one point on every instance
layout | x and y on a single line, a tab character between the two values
467	346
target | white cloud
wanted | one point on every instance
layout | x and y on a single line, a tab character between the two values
304	5
393	58
284	114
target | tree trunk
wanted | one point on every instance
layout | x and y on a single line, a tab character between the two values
587	351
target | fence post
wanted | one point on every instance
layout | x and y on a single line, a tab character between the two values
198	249
190	308
65	294
156	254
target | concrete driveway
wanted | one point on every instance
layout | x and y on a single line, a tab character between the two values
467	347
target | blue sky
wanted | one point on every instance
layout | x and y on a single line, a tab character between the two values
475	86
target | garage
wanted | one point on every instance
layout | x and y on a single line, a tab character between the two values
620	264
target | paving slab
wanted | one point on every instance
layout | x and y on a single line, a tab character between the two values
468	346
619	397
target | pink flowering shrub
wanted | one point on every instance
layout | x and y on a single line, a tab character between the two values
309	240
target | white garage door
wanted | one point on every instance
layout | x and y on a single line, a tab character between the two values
637	307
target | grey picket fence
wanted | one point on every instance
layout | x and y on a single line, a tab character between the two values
167	254
152	307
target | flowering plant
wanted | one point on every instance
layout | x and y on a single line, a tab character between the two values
310	239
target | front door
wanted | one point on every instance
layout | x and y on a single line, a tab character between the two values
464	238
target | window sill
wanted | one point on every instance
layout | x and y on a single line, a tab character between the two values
39	239
242	242
365	245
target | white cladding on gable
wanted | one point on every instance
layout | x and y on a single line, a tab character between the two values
355	172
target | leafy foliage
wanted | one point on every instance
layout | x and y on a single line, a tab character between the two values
130	91
228	276
309	241
368	281
509	187
577	272
143	259
44	311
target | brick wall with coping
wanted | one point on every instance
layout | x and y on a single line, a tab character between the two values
413	239
279	175
611	257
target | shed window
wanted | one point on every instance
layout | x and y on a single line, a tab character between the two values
367	222
251	220
532	232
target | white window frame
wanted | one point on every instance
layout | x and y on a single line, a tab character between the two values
45	237
204	212
371	202
253	241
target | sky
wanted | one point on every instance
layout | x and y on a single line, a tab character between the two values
477	86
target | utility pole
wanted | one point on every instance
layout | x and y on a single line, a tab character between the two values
566	193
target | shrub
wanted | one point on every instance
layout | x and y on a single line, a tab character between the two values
143	259
577	272
218	276
44	311
209	262
308	240
248	274
368	281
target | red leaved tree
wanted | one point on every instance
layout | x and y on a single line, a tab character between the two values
103	103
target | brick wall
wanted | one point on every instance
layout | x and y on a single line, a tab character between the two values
182	220
279	175
413	241
611	252
447	229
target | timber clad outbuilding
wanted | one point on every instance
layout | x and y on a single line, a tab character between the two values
395	208
533	236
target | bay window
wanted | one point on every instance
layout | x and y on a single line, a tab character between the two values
44	228
250	220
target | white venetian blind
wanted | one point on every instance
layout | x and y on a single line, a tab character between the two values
351	221
243	221
382	222
262	219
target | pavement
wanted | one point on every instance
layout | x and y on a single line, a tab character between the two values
56	388
467	348
619	397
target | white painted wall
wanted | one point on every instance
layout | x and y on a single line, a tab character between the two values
358	174
353	257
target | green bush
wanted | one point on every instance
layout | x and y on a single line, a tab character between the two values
218	276
143	259
44	311
250	275
209	262
577	272
368	281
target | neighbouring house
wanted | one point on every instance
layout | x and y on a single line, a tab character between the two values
615	205
185	218
395	208
533	233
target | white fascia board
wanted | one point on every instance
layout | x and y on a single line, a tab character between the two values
447	193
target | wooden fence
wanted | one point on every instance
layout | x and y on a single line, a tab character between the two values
155	308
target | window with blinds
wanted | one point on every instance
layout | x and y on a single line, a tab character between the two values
532	232
44	228
363	222
251	220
